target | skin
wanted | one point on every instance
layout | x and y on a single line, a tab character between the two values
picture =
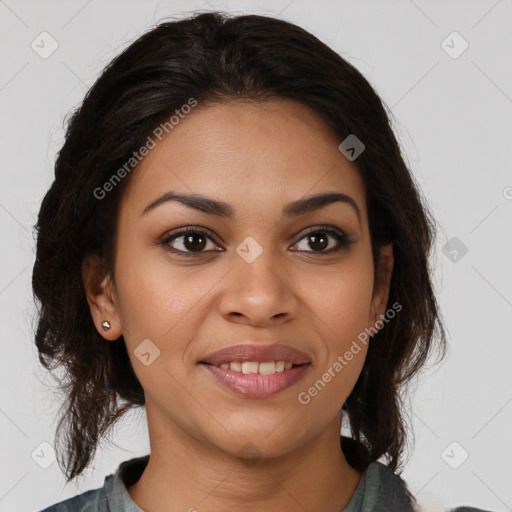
257	158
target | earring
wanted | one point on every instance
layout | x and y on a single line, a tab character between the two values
106	325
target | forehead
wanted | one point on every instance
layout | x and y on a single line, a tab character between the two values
246	152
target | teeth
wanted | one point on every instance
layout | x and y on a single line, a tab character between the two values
267	368
235	366
249	367
253	367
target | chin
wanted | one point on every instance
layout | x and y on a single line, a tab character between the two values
262	443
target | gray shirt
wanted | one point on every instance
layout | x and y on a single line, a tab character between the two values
379	490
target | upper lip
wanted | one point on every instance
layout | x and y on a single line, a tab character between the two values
257	353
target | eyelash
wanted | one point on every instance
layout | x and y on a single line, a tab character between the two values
343	241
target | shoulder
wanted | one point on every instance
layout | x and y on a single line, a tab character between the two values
88	501
112	496
391	491
380	490
395	494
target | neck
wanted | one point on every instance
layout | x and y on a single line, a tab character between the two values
186	474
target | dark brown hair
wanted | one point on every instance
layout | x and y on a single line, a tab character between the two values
214	57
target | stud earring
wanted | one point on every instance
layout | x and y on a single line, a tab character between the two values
106	325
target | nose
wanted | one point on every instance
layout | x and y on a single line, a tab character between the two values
259	293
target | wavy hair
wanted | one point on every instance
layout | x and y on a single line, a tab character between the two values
214	57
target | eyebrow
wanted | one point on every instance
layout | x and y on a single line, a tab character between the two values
212	206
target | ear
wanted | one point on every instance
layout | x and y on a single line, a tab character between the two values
100	293
381	283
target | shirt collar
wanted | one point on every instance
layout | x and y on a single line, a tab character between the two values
128	472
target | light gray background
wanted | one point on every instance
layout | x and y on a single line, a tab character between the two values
453	121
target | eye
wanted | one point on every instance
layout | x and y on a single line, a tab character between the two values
317	238
192	241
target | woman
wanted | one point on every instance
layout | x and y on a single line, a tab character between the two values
234	242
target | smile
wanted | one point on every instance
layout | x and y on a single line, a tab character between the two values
257	380
256	370
265	368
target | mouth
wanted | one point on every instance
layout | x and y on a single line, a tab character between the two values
251	353
257	371
256	367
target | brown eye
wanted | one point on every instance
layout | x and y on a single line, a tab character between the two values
318	239
190	241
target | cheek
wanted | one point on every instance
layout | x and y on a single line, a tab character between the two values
166	304
342	302
152	293
161	307
341	316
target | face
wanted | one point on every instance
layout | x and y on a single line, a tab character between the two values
262	273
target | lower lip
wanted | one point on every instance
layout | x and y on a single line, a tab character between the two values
252	385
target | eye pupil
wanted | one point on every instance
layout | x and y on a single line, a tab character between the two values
197	246
315	237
